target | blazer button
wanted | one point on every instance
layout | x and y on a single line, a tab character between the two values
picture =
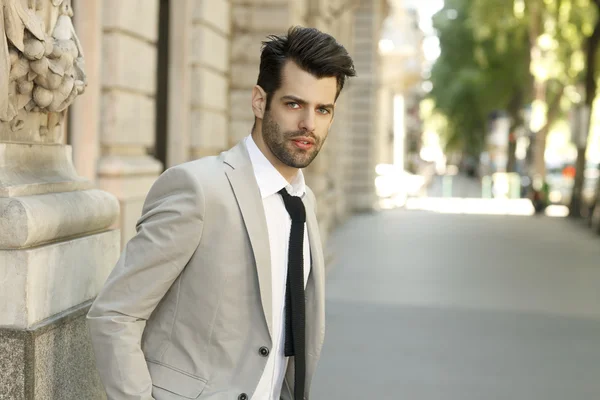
263	351
243	396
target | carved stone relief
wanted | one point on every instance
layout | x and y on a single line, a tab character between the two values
41	63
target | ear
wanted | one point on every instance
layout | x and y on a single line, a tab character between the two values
259	101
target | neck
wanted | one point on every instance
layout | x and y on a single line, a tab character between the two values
289	173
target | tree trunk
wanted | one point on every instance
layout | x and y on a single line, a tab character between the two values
539	162
575	206
516	120
539	148
594	218
511	162
539	88
590	94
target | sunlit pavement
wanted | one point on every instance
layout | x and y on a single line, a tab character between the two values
433	306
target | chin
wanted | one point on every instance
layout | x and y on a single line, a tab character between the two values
303	163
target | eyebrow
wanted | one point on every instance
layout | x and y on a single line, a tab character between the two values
303	102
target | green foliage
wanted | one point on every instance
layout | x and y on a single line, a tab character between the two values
492	52
481	68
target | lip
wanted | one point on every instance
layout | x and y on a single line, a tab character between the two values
303	146
309	140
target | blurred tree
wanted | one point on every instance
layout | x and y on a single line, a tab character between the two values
504	54
557	35
481	69
591	88
455	80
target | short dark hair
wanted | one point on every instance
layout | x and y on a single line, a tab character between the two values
312	50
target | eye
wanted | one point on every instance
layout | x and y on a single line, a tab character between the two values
293	105
323	111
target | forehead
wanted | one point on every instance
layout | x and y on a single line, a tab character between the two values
295	81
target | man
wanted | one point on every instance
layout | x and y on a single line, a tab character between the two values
220	295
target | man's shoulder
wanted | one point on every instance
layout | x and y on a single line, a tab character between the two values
311	196
309	193
203	168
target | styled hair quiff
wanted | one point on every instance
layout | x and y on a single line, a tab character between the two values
312	50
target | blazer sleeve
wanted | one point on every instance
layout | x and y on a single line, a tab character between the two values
168	233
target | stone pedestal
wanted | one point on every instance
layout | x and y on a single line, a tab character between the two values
55	255
50	360
56	245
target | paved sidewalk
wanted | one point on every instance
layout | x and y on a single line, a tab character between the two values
425	306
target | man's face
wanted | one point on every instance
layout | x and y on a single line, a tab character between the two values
299	116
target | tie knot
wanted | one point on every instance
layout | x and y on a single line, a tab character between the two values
294	206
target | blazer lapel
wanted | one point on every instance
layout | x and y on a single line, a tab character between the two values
315	290
247	194
315	304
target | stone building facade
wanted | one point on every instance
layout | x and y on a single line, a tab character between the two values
174	84
166	81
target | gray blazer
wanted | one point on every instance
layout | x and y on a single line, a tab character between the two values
188	305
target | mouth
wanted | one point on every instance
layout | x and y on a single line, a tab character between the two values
304	142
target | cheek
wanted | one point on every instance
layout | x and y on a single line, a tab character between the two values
285	119
291	122
324	126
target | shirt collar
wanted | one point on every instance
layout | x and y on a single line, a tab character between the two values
269	180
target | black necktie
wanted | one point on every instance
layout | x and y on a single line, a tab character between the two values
294	293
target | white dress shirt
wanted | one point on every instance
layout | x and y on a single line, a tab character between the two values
270	181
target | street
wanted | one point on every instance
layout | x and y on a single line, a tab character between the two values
427	306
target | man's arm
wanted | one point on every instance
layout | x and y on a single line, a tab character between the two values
168	233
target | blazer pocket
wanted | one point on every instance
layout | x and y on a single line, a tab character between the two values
171	380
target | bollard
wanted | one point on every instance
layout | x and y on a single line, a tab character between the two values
515	186
486	187
447	186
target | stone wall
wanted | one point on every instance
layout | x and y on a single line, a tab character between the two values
127	126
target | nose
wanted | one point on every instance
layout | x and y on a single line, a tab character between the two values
307	123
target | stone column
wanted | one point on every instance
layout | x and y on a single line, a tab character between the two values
210	77
179	89
85	113
362	154
56	250
127	136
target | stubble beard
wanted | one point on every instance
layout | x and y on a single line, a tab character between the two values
281	145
